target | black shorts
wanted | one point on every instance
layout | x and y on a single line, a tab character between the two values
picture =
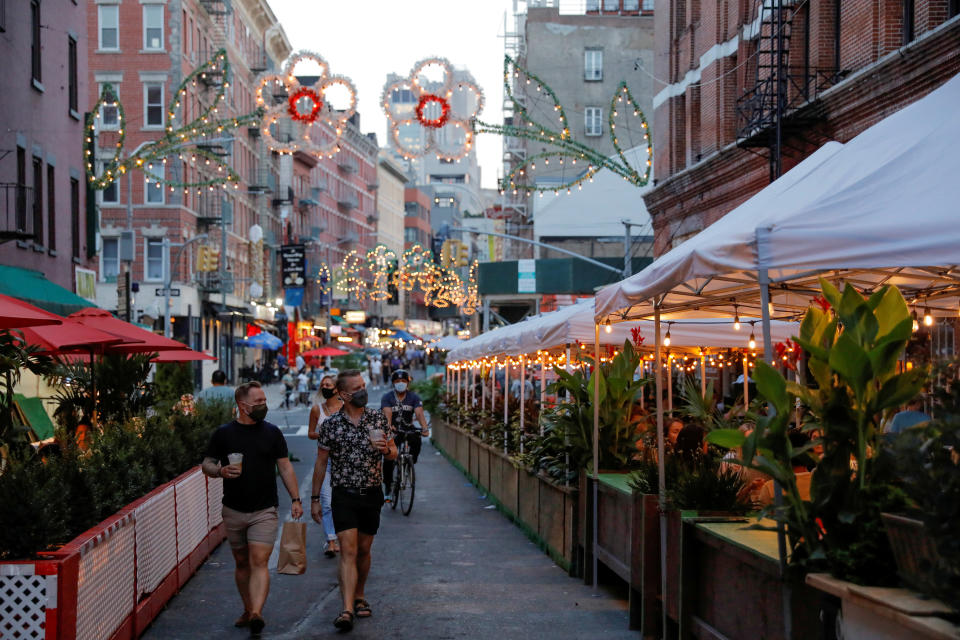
355	511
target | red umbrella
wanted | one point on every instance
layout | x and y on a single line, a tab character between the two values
16	313
136	340
181	355
320	352
70	337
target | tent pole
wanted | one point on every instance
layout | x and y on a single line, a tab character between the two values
493	387
746	383
661	483
763	276
523	398
483	391
703	373
596	442
670	385
543	392
506	400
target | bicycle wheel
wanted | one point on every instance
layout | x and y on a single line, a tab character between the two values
408	487
395	485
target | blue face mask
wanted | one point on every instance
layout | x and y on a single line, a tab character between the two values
400	387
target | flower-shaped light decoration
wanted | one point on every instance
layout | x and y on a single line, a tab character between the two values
380	261
416	268
351	277
471	299
427	116
302	118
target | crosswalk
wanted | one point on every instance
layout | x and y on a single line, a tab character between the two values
293	430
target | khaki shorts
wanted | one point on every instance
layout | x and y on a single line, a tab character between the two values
257	526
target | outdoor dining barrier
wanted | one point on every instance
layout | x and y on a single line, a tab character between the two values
113	580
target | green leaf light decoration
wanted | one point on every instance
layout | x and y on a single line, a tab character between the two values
561	147
176	141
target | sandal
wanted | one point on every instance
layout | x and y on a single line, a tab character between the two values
243	621
329	551
362	607
344	621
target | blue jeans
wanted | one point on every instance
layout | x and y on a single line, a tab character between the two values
326	509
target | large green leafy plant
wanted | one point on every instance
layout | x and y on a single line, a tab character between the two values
853	345
16	357
574	420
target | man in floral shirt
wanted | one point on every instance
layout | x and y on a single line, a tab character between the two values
355	439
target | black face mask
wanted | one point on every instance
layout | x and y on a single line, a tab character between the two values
258	412
327	393
359	398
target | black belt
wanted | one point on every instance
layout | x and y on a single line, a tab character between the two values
359	491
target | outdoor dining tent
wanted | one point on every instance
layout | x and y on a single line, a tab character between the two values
881	209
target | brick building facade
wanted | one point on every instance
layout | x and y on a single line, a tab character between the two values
845	65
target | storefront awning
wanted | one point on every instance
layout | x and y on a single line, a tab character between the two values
33	287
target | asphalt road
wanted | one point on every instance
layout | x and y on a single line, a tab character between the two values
454	568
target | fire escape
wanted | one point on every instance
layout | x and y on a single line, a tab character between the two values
778	111
514	205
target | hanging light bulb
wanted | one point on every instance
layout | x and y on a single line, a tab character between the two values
927	318
916	325
753	340
736	319
607	327
666	338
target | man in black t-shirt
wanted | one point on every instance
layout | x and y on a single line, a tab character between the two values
400	407
250	498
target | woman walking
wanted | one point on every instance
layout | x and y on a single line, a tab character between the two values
325	403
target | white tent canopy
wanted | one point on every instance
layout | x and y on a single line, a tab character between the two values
575	323
881	209
446	343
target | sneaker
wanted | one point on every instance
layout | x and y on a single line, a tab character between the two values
386	500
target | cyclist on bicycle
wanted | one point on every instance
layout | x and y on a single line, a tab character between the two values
401	406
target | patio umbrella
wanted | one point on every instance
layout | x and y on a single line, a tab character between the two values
181	355
321	352
136	340
16	313
262	340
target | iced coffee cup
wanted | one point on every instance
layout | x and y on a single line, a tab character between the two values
237	460
376	435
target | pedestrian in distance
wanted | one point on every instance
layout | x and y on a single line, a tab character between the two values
326	403
218	391
245	452
376	371
400	406
289	381
355	439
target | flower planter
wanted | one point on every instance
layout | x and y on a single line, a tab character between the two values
113	580
914	551
544	511
881	613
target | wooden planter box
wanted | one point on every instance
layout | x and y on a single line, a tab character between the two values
546	512
113	580
882	613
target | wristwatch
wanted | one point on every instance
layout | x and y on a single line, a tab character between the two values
314	498
294	499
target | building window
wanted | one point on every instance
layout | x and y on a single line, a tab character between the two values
154	189
153	105
3	15
35	39
593	64
72	73
51	208
38	200
110	195
109	17
631	5
75	217
592	125
953	9
611	5
110	114
21	189
593	5
154	263
110	260
648	5
153	27
908	22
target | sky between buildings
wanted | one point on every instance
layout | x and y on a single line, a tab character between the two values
367	39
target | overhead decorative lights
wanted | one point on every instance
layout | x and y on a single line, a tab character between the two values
439	123
666	338
299	118
753	339
736	319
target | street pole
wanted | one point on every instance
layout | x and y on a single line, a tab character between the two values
169	277
627	242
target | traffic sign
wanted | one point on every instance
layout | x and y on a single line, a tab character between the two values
173	292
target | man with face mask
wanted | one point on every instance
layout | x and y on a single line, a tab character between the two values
250	495
400	406
355	440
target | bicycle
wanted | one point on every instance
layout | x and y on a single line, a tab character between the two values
404	479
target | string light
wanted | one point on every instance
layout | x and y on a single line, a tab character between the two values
666	338
927	318
736	319
607	327
753	340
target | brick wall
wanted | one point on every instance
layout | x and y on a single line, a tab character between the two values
695	132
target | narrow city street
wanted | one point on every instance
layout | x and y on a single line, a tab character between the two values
454	568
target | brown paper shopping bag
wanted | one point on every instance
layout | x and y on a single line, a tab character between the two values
292	558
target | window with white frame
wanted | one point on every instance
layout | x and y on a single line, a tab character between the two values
611	5
109	21
153	27
109	259
631	5
593	64
648	5
153	104
110	195
153	269
109	114
154	189
592	125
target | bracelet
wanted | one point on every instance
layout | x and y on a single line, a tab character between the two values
294	499
314	498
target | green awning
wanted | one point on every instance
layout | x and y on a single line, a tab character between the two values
33	287
36	415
